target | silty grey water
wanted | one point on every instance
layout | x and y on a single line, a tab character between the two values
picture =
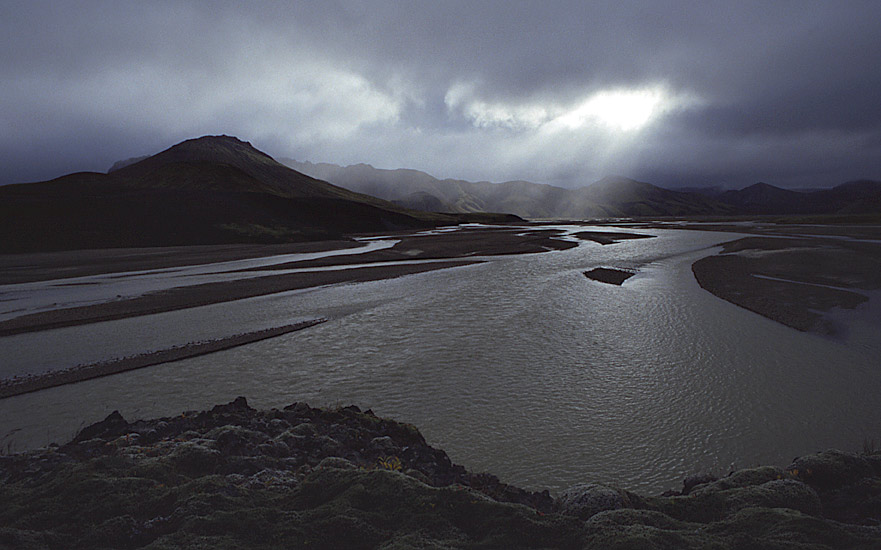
520	366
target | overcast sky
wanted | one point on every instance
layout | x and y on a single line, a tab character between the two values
674	93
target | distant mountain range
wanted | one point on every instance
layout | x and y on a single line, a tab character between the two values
609	197
218	189
210	190
855	197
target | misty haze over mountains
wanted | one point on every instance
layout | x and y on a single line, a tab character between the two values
218	189
613	196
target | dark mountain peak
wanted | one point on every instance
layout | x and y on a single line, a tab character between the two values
223	149
766	191
764	198
215	162
762	186
231	152
216	140
208	190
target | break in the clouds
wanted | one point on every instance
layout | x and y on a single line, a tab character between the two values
676	93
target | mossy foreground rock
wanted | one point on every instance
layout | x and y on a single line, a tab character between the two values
236	477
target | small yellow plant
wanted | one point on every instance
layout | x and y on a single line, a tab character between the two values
390	463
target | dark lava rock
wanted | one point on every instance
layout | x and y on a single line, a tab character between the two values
586	500
111	426
848	484
302	477
830	469
693	481
239	404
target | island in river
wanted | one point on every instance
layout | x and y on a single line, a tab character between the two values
796	271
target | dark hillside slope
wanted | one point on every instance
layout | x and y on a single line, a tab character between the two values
762	198
854	197
98	213
273	176
209	190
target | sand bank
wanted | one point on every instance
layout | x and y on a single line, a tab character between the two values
44	266
456	246
27	384
209	293
794	281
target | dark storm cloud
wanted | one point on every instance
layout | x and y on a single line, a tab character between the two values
779	91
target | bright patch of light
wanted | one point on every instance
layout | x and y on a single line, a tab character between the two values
619	110
623	110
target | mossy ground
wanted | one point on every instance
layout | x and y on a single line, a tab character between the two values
235	477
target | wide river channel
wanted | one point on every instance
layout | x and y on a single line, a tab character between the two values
519	366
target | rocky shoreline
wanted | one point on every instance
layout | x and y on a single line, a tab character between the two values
302	477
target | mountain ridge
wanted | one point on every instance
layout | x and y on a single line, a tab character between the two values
611	196
208	190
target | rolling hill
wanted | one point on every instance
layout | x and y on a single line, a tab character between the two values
209	190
